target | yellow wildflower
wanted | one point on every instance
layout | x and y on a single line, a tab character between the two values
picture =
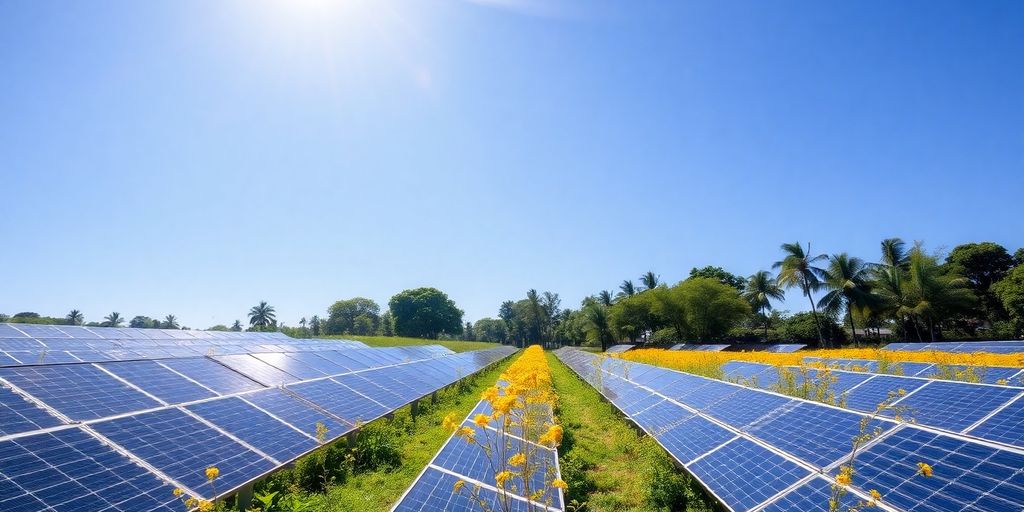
875	495
458	485
558	483
205	506
481	420
449	422
552	437
517	460
924	469
212	473
503	477
843	479
178	492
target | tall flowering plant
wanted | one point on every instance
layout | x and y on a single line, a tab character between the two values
518	437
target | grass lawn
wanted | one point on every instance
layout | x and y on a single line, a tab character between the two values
609	465
417	441
396	341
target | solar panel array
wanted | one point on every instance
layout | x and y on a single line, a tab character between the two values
785	348
27	344
757	450
991	412
985	374
433	490
615	349
994	347
698	347
121	435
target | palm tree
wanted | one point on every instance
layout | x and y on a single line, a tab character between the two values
932	294
797	270
597	317
846	278
170	322
626	289
237	326
75	317
761	289
113	320
605	298
262	315
894	254
650	280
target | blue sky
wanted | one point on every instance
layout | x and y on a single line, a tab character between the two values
195	157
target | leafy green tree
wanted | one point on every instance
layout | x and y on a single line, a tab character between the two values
721	275
143	322
1010	291
982	264
113	320
170	322
75	317
26	314
797	270
599	328
803	328
711	307
237	326
935	295
4	318
761	289
1018	256
571	328
218	327
649	280
315	325
632	316
491	329
262	315
387	324
342	316
468	334
605	298
364	325
425	313
847	280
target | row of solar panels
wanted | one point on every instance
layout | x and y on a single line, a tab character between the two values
43	332
433	490
986	374
991	412
994	347
756	450
122	435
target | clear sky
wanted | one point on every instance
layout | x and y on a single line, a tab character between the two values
194	157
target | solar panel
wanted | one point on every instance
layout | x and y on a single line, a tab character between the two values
1005	425
212	375
872	392
71	470
264	432
616	349
819	435
339	400
785	348
80	391
182	447
290	365
954	406
256	370
296	412
746	474
433	491
746	406
17	414
813	496
692	437
159	381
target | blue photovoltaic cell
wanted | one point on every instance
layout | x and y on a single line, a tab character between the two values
79	391
915	369
296	412
8	331
954	406
785	348
159	381
19	415
815	433
661	416
290	365
812	496
183	447
742	408
996	374
734	370
256	370
744	474
17	344
314	360
363	385
709	394
867	396
42	331
255	427
7	360
69	470
470	460
640	403
967	476
1006	426
432	492
339	400
692	438
212	375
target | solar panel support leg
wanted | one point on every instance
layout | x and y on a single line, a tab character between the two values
244	498
414	409
433	397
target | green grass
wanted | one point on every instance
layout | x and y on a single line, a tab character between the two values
397	341
417	441
609	465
